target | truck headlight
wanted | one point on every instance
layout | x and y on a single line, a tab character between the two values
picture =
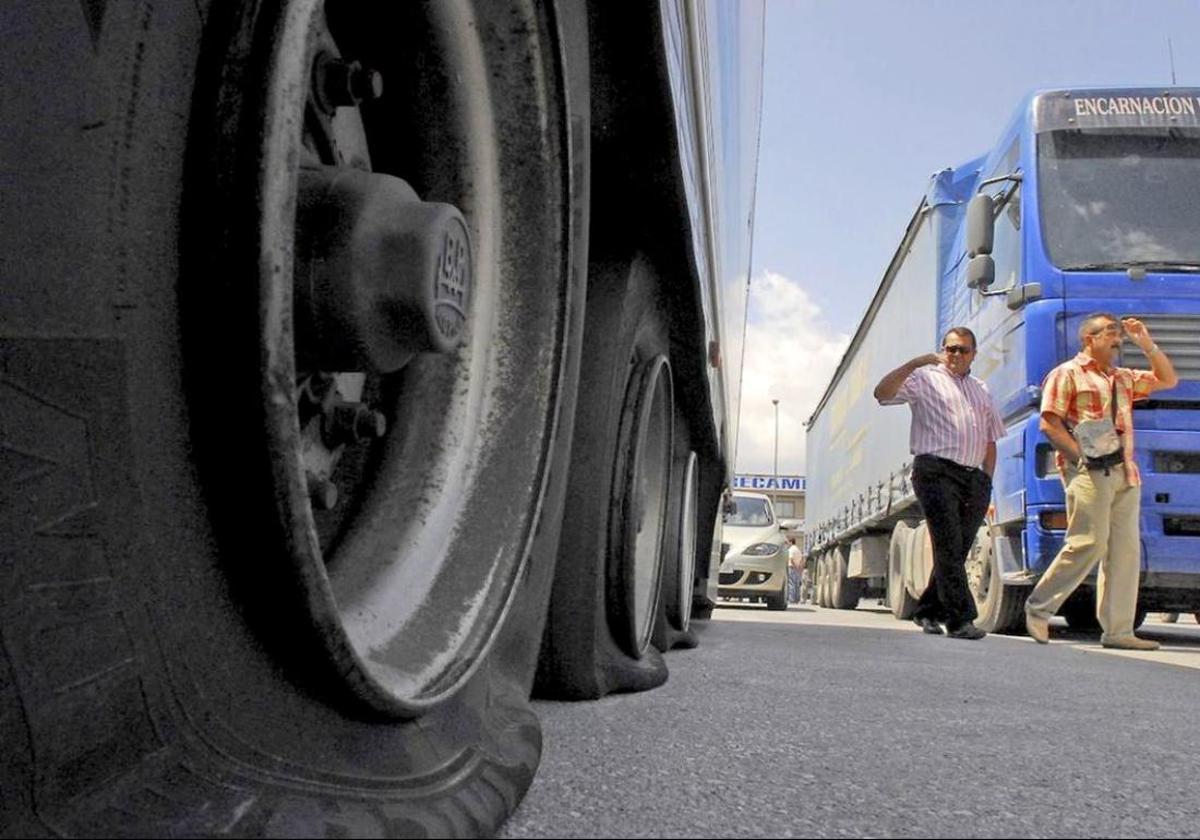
761	550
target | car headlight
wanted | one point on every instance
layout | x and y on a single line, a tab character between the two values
761	550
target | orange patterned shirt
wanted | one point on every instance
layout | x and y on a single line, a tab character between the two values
1079	390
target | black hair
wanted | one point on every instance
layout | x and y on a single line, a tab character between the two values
962	331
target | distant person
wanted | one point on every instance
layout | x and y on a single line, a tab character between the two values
795	570
955	426
1104	490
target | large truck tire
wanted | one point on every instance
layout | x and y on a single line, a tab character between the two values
672	628
607	586
215	620
919	573
1001	607
827	578
846	591
822	580
901	601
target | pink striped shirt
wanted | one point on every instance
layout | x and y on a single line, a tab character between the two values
952	417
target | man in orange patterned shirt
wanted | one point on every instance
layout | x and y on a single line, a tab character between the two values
1103	502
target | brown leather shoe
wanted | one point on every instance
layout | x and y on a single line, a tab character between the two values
1038	628
1129	643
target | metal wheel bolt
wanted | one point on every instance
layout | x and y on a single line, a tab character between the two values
370	425
352	422
365	83
338	83
322	492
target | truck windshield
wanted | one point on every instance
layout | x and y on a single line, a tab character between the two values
747	511
1114	199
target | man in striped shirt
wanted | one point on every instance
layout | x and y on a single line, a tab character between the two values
953	436
1103	501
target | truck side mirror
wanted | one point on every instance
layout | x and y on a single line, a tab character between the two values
981	214
981	272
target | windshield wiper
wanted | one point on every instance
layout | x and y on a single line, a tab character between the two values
1151	265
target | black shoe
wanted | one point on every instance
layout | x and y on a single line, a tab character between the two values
966	631
928	625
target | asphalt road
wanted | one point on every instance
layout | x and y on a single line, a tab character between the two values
827	723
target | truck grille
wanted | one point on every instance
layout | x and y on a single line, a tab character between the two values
1179	338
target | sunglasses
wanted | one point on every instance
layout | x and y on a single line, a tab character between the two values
958	349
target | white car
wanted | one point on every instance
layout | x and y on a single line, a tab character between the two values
754	564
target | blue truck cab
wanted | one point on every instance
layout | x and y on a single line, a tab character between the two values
1091	203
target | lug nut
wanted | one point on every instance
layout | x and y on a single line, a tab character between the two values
350	423
365	84
318	392
338	83
322	492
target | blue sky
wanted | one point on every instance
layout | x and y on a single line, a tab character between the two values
862	101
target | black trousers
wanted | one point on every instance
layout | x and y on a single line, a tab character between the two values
954	500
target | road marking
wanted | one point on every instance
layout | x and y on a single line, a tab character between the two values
1181	642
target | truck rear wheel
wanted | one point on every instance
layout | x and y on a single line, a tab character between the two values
903	604
823	580
1001	608
673	627
919	572
607	586
283	615
847	591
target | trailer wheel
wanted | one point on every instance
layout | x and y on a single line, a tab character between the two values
903	604
1001	608
847	591
823	580
672	628
253	584
919	572
818	592
829	561
607	586
829	573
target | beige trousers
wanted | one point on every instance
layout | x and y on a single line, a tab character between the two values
1102	528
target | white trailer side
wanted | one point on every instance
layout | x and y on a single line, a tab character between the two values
855	445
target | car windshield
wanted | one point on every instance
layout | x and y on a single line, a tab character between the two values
1113	199
748	511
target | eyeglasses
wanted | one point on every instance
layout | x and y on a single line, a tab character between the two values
1113	329
958	349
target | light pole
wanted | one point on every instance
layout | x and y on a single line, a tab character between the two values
775	467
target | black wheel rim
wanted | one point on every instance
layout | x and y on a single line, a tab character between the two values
679	612
640	512
402	597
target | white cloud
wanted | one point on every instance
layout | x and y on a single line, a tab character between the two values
791	354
